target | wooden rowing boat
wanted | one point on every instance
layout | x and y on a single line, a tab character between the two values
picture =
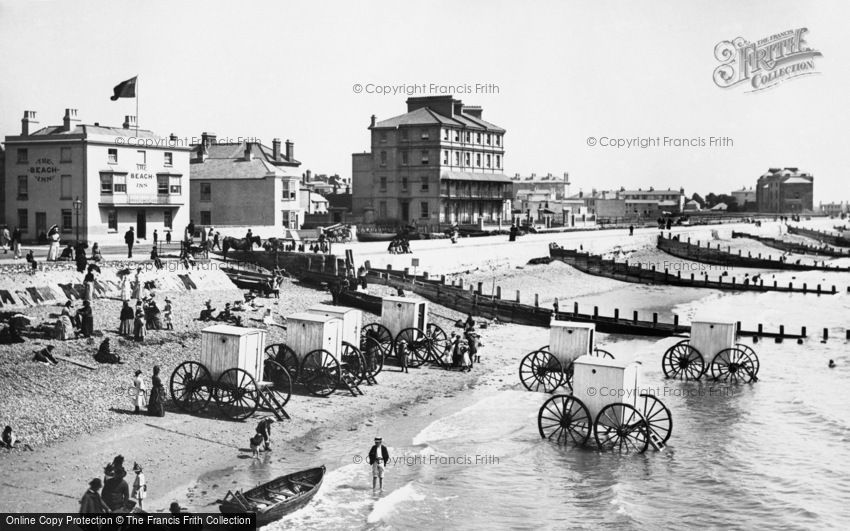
277	498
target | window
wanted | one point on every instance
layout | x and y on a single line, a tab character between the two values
206	217
206	192
167	219
404	184
445	134
489	161
23	156
167	158
382	210
457	135
383	137
445	156
65	154
383	184
162	184
404	158
175	186
466	159
498	140
487	139
143	156
423	209
67	224
477	138
426	135
23	188
113	156
106	183
498	161
425	158
23	219
119	184
478	160
468	136
457	158
65	187
112	220
383	158
424	183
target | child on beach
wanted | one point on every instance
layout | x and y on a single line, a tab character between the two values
403	355
166	315
255	442
140	486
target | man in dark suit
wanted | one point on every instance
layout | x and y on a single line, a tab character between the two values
130	239
378	457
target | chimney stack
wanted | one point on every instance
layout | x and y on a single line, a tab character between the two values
129	122
373	122
290	151
26	121
69	120
172	138
248	154
276	149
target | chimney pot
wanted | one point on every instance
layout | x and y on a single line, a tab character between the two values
129	121
248	154
69	119
27	121
374	120
290	150
276	149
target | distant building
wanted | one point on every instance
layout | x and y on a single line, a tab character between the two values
692	206
245	184
745	196
720	207
834	209
119	177
624	205
666	201
439	163
785	190
557	187
313	202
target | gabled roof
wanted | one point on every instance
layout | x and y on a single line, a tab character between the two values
427	116
227	161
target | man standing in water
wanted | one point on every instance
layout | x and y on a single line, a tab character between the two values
378	457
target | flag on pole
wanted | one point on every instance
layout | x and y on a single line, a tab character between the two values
125	89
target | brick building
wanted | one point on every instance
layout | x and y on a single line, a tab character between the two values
785	191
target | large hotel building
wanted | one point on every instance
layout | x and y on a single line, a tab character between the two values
439	163
95	181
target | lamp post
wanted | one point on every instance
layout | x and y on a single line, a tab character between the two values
78	205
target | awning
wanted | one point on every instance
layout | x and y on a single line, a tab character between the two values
479	177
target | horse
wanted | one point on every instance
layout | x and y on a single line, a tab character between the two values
240	244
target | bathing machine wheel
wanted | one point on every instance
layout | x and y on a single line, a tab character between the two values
280	379
373	354
659	421
190	386
733	365
540	371
236	394
621	427
752	354
285	356
353	362
564	419
382	335
438	345
683	361
320	372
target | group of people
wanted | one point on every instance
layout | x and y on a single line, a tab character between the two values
115	495
73	323
11	240
155	403
464	350
399	245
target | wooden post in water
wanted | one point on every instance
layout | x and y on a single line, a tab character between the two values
635	316
825	334
517	296
781	330
596	311
654	319
617	314
536	300
575	308
460	283
803	331
675	321
760	329
443	280
499	292
480	287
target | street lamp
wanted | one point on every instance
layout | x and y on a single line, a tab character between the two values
78	205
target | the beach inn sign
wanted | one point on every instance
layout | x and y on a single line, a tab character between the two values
765	63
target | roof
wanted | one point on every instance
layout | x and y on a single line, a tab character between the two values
479	177
652	192
427	116
720	206
227	161
797	180
230	330
100	133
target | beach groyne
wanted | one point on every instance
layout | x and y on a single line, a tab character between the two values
707	254
821	236
624	271
793	247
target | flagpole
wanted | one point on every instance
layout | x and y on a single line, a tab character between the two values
137	106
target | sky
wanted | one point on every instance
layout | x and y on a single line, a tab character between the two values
552	73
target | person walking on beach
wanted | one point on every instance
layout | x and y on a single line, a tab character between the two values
137	285
155	238
53	238
378	458
126	320
513	232
166	315
16	241
168	237
130	239
139	389
156	408
5	239
264	429
88	284
116	491
216	241
139	324
631	230
80	256
140	486
91	502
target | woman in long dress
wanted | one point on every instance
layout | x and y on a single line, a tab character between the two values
86	319
126	318
126	289
88	283
53	237
156	408
137	285
139	386
139	329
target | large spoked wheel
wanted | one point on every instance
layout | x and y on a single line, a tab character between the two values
190	386
659	421
382	335
438	344
733	365
540	371
622	428
417	344
280	379
320	372
564	419
236	394
602	353
373	355
352	362
752	354
682	361
284	355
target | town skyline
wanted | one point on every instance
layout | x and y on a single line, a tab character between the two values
188	84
